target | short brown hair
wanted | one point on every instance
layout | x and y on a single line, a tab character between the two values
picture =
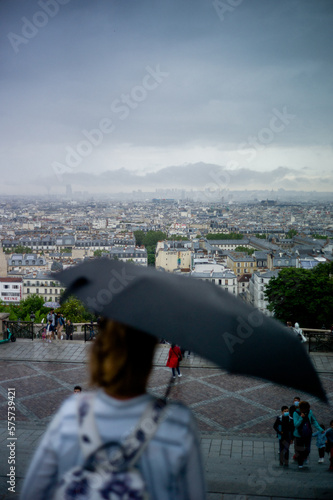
121	359
304	406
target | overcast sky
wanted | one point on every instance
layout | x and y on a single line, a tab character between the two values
102	94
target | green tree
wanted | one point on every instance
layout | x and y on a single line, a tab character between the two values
319	236
178	238
261	236
32	304
98	253
149	240
74	309
302	295
22	249
249	251
222	236
153	237
291	233
139	237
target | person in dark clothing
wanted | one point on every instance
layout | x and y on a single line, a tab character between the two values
294	406
304	421
284	427
69	329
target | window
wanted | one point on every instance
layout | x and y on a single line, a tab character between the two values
6	286
45	291
226	282
56	291
50	291
28	290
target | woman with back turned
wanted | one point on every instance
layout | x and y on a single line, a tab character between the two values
120	364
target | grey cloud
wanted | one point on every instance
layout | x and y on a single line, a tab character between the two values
225	77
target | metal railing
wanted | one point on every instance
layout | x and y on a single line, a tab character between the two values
20	329
320	341
90	331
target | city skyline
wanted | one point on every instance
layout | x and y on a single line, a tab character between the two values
115	97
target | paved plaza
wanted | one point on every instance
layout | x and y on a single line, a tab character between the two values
235	415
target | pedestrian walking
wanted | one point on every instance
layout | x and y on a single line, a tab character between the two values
49	331
161	444
59	325
320	443
52	317
174	358
69	330
294	406
304	420
284	427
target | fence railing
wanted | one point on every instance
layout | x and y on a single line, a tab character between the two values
20	329
317	340
31	330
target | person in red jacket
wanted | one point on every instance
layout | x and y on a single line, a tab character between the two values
175	356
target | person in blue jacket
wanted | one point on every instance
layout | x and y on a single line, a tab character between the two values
304	420
320	443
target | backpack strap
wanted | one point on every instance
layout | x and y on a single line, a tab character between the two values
88	433
134	444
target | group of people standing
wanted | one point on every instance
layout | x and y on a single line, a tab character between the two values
295	424
55	326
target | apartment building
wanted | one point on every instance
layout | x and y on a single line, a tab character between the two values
241	263
173	259
256	291
27	262
10	290
217	274
43	285
136	254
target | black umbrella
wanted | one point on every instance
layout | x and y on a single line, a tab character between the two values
197	315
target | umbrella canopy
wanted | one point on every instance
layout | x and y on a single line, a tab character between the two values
54	305
197	315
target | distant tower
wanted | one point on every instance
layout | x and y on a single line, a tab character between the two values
3	263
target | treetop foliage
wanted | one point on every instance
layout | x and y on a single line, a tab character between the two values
302	295
223	236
